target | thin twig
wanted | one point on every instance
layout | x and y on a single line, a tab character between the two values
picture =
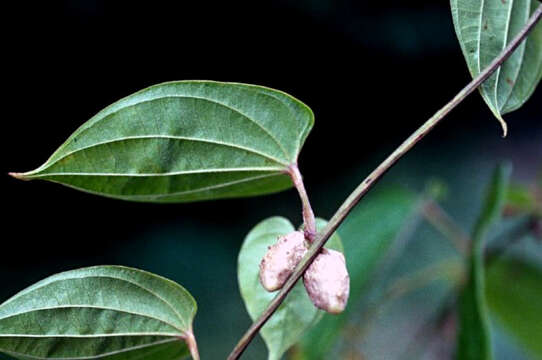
444	223
507	240
362	189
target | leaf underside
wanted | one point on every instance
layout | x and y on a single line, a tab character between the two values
297	313
104	312
484	28
184	141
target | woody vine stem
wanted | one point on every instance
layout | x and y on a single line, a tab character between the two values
318	240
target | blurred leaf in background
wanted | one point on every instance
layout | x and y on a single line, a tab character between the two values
367	235
514	297
474	339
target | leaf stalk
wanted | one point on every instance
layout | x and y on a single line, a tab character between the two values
192	345
308	215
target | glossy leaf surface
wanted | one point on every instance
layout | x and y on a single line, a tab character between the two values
484	28
105	312
514	290
474	339
184	141
297	313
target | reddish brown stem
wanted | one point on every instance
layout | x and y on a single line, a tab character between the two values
308	214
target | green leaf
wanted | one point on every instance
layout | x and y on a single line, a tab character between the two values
514	293
520	198
104	312
367	234
184	141
297	313
474	340
484	28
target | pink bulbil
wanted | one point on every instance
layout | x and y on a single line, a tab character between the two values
281	259
327	281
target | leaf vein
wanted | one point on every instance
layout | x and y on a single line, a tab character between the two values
110	277
87	306
243	115
217	186
160	136
184	172
138	347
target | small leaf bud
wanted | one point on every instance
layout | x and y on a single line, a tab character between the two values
281	259
327	281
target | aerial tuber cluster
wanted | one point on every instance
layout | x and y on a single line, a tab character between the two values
326	280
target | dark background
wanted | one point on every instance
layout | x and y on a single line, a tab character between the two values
371	71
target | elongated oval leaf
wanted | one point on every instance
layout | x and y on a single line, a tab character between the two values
184	141
514	293
105	312
297	313
474	339
484	28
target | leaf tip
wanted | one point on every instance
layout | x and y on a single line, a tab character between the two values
19	176
504	126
